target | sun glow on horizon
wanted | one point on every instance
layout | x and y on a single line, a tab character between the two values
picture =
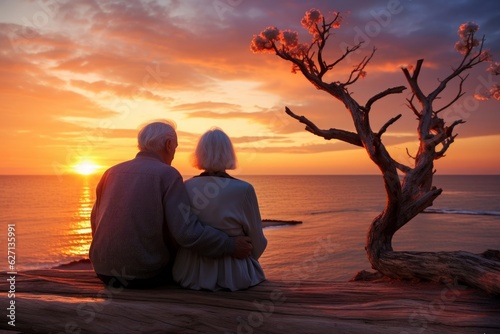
94	97
85	168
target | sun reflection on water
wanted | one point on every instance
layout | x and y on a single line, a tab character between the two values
80	231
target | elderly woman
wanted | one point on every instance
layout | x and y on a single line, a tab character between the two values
229	205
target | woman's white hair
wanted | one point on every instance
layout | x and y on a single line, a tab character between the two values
153	136
214	152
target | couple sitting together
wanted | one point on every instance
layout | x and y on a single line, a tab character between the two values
150	228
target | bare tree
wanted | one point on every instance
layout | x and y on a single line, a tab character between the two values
413	192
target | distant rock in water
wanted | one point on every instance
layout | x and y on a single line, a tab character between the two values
278	222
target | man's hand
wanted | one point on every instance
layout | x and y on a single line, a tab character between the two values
242	247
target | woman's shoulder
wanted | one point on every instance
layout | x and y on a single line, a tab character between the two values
243	183
241	187
236	182
219	182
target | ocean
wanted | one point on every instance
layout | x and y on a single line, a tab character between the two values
51	215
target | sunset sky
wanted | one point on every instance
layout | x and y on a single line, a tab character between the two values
79	77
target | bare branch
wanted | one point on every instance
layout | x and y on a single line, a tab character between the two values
443	132
393	90
459	94
414	207
450	128
446	144
398	165
446	138
345	54
324	33
358	70
337	16
386	125
346	136
308	70
416	72
412	80
408	152
412	106
464	65
323	36
469	52
405	169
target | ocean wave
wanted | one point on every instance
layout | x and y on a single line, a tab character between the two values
462	212
428	210
338	211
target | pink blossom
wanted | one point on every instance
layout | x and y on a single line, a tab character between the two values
465	45
310	22
466	29
261	44
300	50
494	68
289	39
461	46
482	96
495	91
467	42
271	33
311	18
338	20
485	56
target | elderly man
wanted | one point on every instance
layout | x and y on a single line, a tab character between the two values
142	214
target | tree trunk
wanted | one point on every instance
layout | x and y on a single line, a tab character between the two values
405	200
444	267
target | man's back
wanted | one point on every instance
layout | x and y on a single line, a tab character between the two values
128	218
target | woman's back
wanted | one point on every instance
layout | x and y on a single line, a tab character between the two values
230	205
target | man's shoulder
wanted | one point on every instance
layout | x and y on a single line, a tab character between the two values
145	167
158	168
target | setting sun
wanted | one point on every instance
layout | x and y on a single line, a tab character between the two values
85	168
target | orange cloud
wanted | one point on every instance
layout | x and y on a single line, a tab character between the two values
64	81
